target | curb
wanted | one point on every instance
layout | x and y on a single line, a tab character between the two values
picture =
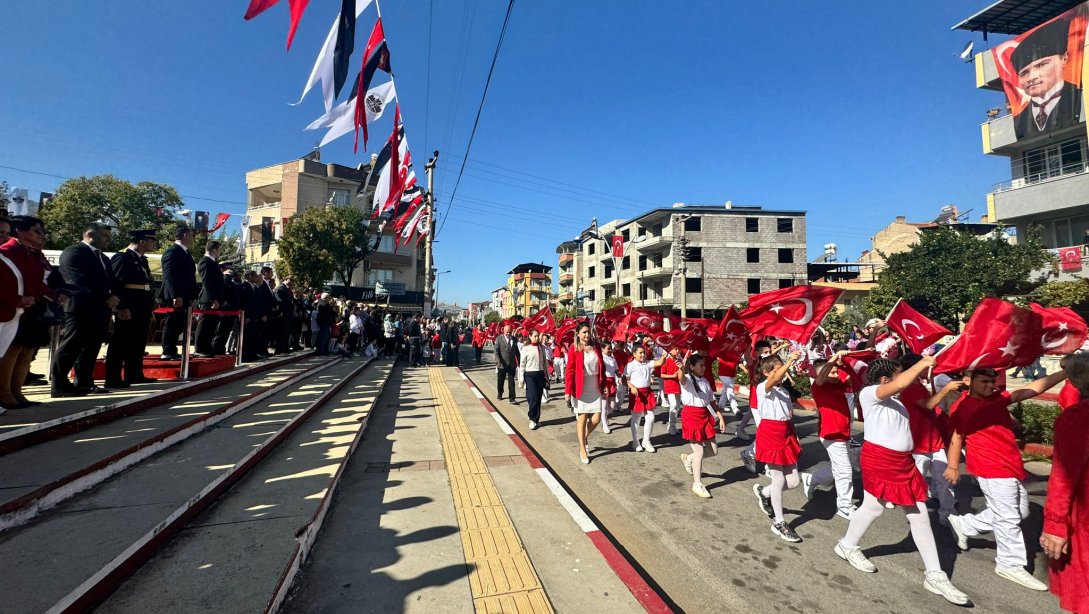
651	600
1041	449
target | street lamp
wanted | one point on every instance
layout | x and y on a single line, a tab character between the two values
436	304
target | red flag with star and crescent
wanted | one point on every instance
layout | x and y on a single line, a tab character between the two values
1063	329
731	340
999	335
790	313
541	321
917	331
858	363
607	322
645	321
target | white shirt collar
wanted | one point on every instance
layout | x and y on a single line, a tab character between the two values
179	243
1037	101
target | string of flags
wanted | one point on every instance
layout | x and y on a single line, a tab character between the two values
397	199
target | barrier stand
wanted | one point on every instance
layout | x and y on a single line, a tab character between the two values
186	336
241	322
54	341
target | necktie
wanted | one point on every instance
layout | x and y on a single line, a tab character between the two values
1041	115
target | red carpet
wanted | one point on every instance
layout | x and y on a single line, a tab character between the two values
167	370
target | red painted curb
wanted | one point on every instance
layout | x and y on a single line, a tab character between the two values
1041	449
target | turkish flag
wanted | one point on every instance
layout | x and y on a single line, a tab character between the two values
790	313
492	332
606	322
917	331
731	339
645	320
999	335
1070	258
221	219
565	334
709	326
857	364
542	321
617	243
1063	330
296	10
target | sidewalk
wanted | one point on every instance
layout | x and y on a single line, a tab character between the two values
440	511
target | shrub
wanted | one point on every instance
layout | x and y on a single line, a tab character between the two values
1037	421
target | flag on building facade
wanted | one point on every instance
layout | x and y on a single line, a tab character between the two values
1070	258
266	234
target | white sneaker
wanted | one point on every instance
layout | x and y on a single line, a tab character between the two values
700	491
957	526
648	448
855	557
636	447
532	425
846	512
687	464
605	428
1020	576
807	484
938	583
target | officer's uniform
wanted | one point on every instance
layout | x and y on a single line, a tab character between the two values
133	283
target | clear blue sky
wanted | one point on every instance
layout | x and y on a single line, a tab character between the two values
855	112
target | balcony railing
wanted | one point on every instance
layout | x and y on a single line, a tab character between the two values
1067	170
653	242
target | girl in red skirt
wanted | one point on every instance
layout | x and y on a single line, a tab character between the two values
698	413
889	474
776	442
641	400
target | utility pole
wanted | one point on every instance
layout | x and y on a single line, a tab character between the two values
681	255
429	249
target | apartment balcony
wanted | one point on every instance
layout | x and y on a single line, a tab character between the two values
654	301
654	243
565	297
999	136
986	72
1042	194
566	278
566	259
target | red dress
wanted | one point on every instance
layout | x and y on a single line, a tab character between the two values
1066	512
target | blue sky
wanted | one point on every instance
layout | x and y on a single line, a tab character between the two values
855	112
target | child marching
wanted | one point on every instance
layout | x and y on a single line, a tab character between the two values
698	416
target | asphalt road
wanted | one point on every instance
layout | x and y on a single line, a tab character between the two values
720	554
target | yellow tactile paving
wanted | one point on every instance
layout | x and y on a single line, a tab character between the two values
501	576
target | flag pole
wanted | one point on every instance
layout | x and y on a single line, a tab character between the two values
379	7
897	304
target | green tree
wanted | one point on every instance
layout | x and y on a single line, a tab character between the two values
492	316
613	301
119	203
1063	293
562	313
229	242
947	273
322	241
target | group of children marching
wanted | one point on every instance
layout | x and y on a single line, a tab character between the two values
916	431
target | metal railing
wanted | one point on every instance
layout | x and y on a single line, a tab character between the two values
1067	170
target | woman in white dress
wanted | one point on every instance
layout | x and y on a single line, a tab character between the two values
583	382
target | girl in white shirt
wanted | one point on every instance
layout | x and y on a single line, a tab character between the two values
777	444
639	374
889	474
698	412
608	393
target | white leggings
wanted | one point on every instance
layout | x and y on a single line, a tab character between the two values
783	477
917	517
699	452
727	399
674	401
648	425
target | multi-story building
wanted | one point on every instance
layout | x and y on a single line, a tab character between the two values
1048	185
279	192
530	287
570	261
733	252
500	300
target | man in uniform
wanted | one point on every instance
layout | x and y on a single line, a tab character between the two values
179	289
132	275
212	293
86	314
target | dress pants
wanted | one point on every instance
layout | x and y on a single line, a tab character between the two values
172	331
84	332
535	382
507	375
224	331
126	350
207	326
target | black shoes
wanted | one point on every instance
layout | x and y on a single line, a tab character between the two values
113	384
67	392
170	357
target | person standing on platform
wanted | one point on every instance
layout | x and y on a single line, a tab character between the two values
86	314
506	363
326	316
179	289
251	317
266	298
132	274
213	291
285	303
227	324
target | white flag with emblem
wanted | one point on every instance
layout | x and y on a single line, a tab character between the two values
341	119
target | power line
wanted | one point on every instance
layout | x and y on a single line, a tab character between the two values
479	111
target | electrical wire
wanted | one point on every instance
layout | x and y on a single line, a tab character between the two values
479	111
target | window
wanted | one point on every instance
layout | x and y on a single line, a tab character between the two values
593	295
608	291
642	263
693	284
386	244
752	224
695	254
339	197
754	286
785	283
625	289
625	264
642	292
656	260
591	272
786	255
785	224
627	235
607	271
1054	160
692	224
590	249
376	275
752	254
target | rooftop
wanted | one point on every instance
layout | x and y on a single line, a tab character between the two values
530	267
1014	16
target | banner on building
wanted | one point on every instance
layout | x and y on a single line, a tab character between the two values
266	234
1041	72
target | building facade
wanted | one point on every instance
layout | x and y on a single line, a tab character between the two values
1048	182
279	192
733	252
529	289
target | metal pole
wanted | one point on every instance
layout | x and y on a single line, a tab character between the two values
702	315
184	374
683	270
429	257
241	338
54	342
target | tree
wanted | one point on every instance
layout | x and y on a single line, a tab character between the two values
563	312
1063	293
613	301
119	203
492	316
323	241
947	273
229	243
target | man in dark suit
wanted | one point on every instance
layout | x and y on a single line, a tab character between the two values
1039	60
251	317
228	325
506	358
266	299
86	314
132	276
212	294
179	289
285	301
